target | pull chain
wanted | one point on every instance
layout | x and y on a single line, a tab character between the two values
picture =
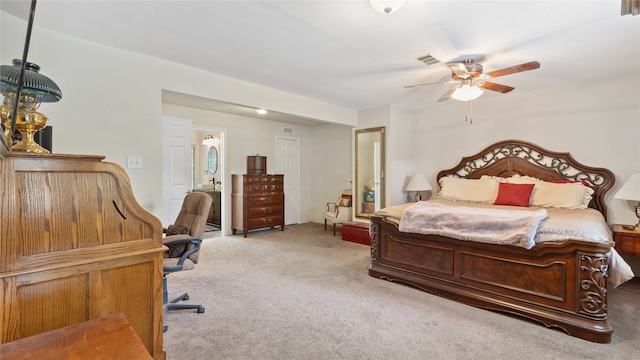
469	115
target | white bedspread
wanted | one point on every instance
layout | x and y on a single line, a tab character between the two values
559	225
497	226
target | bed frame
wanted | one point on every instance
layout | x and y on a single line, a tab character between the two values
561	285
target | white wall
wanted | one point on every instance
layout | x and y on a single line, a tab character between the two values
599	124
331	166
398	139
111	101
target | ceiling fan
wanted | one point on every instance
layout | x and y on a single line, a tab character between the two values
470	78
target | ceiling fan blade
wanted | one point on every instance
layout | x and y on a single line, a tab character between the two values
496	87
514	69
433	83
457	68
447	95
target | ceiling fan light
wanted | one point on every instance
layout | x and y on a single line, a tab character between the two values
386	6
466	93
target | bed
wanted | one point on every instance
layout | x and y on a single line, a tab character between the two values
561	284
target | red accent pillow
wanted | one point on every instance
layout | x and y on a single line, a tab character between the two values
514	194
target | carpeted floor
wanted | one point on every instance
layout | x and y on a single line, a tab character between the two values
304	294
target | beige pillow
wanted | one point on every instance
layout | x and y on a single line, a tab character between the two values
473	190
566	196
523	179
556	195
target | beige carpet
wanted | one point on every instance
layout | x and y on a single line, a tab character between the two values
304	294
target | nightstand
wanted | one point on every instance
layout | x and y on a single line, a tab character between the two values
627	241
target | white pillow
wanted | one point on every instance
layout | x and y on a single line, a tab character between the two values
496	178
566	196
474	190
523	179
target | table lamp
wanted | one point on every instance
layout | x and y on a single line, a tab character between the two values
36	89
418	183
631	191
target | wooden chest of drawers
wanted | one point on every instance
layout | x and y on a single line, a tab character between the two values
257	201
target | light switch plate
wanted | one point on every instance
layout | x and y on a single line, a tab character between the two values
134	162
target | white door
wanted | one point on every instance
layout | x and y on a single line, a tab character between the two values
288	164
176	165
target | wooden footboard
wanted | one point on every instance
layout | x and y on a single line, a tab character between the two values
561	285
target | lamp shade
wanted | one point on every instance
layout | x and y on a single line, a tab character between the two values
386	6
631	189
418	183
44	89
467	92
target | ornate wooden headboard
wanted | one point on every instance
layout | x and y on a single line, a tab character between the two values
511	157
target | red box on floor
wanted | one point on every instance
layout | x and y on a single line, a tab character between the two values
356	232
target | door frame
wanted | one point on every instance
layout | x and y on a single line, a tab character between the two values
226	182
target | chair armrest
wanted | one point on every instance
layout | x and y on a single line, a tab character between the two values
180	239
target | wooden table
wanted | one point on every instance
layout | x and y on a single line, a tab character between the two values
108	337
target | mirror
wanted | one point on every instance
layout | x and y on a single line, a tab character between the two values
212	157
369	180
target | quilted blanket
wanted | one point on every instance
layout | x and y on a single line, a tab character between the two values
496	226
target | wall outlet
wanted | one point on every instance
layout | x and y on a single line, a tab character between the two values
134	162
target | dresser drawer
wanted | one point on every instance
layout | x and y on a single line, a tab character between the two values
264	179
255	179
259	188
627	241
265	221
266	200
256	212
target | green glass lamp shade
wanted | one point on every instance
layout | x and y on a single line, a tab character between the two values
41	86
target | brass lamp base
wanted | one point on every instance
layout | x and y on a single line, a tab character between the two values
28	122
635	227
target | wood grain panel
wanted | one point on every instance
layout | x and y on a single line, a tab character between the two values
52	304
121	285
542	280
63	211
422	257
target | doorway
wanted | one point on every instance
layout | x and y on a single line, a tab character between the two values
209	172
287	158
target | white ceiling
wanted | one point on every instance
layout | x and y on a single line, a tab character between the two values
345	53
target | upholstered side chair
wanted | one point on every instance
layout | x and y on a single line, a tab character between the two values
338	212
